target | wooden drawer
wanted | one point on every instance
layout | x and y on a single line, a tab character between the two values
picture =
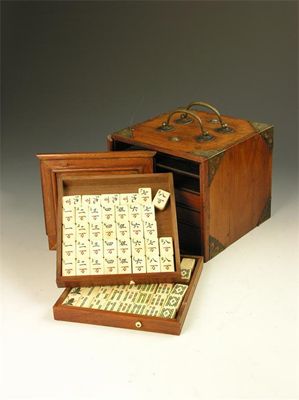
188	216
130	321
191	200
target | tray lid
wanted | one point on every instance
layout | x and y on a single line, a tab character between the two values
52	165
169	133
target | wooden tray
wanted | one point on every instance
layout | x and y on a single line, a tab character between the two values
52	165
130	321
100	184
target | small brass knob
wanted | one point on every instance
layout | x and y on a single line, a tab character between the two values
138	324
132	282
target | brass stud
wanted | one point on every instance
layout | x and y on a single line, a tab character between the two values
132	282
138	324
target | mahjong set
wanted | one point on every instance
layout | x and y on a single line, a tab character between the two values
117	244
114	234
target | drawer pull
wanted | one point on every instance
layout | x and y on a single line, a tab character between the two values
203	137
138	324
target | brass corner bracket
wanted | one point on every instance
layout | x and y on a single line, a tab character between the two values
214	163
215	247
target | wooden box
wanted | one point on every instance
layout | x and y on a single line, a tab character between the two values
52	165
130	321
222	169
99	184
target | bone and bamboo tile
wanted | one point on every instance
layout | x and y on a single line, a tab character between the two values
69	267
119	230
138	264
156	300
124	247
161	199
121	213
166	246
135	212
145	195
110	265
167	263
96	265
153	263
124	265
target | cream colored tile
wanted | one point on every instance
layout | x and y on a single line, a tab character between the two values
145	195
161	199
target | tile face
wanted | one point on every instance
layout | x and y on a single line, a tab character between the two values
128	198
148	212
94	214
168	312
133	198
82	249
81	214
82	231
68	267
95	231
96	248
150	229
109	230
161	199
135	212
95	200
179	289
82	266
153	263
165	288
138	264
145	195
124	265
71	201
68	234
121	213
158	299
86	201
110	265
137	247
68	250
109	199
124	247
136	229
152	247
68	216
108	213
167	263
166	246
152	311
123	230
110	248
96	266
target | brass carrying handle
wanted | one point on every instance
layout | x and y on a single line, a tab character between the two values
223	128
207	105
167	127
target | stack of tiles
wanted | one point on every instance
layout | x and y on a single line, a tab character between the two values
156	300
114	234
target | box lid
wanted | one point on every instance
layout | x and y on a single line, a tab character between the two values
166	220
52	165
192	134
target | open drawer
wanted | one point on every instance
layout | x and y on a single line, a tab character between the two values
135	321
